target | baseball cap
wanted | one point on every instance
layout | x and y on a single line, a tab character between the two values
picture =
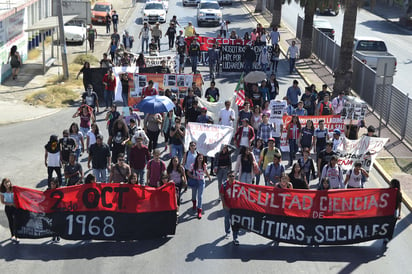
204	109
336	131
271	140
245	119
371	129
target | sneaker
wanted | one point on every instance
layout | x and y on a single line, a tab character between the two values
227	235
57	240
236	242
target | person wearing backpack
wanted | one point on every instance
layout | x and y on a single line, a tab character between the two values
325	107
155	169
356	176
274	171
334	172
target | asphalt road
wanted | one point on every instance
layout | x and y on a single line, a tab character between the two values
199	246
396	38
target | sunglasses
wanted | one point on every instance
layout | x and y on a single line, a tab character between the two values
231	176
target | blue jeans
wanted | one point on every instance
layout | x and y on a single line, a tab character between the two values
125	97
246	177
140	176
198	191
145	40
292	62
100	174
248	66
221	176
264	67
277	142
108	97
227	215
193	61
293	149
177	150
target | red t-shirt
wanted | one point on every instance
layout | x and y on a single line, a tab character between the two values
139	157
111	84
156	169
149	91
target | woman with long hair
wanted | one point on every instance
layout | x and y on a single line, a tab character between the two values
256	118
177	174
77	135
118	138
284	183
293	134
152	124
112	50
132	179
7	198
140	61
245	165
15	61
297	177
86	118
91	136
306	137
307	165
257	149
223	163
275	58
197	173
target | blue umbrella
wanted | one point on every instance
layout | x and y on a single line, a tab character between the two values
156	104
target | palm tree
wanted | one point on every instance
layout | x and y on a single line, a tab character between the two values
343	74
306	47
259	6
277	12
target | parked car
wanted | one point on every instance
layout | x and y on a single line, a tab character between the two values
225	2
324	26
153	12
370	49
331	8
209	12
99	11
190	2
75	31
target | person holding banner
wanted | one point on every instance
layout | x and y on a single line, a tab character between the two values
226	210
284	183
7	199
212	93
246	165
227	115
293	135
139	156
120	172
197	174
178	175
298	178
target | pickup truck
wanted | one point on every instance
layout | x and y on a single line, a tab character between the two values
370	49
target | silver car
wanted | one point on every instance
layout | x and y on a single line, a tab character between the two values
209	12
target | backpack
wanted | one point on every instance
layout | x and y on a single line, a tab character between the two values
325	109
327	167
282	169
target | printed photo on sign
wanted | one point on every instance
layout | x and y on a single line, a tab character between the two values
188	80
180	81
169	80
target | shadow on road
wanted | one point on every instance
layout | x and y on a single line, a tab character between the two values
78	250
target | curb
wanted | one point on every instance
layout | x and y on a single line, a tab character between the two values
405	199
29	118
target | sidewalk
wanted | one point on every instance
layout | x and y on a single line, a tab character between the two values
314	72
31	78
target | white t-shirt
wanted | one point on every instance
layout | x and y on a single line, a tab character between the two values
276	129
244	140
92	138
53	159
355	180
224	117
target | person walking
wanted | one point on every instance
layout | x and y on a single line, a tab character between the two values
91	36
171	33
226	210
292	54
115	20
293	135
108	20
52	159
109	83
152	124
7	198
14	60
144	34
157	34
197	174
99	155
194	53
139	157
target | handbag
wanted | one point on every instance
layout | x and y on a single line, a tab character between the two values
192	182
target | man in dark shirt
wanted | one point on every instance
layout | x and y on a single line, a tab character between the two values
212	93
90	98
194	53
177	135
325	156
193	112
99	155
115	20
188	102
67	145
249	57
73	172
163	68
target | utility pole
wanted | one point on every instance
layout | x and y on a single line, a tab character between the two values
62	39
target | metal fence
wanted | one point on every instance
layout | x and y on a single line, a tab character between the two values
392	105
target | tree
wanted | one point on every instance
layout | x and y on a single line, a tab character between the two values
276	13
343	74
306	46
259	6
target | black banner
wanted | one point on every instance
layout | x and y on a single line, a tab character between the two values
232	57
313	231
96	211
